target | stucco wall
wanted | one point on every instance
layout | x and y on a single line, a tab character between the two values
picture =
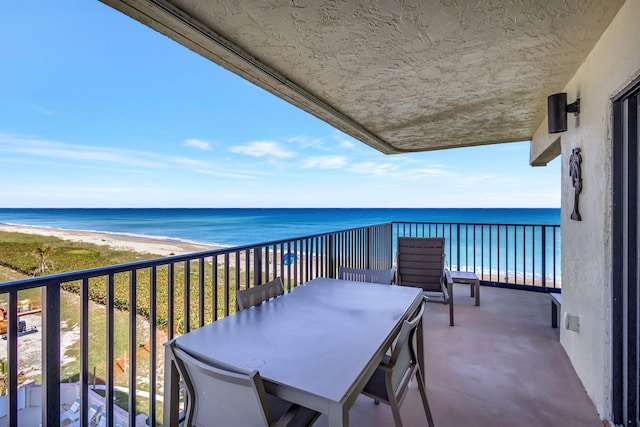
586	246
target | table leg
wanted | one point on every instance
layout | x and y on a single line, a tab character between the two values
338	416
171	391
476	285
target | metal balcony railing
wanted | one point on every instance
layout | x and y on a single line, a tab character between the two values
506	255
177	294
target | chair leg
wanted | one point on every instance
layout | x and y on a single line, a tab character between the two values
393	400
451	313
423	394
450	287
395	410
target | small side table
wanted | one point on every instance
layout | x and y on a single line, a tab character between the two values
471	279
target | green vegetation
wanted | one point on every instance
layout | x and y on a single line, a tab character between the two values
27	254
23	253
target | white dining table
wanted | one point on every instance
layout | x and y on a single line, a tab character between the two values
317	345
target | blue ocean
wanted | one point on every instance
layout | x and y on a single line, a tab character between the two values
231	227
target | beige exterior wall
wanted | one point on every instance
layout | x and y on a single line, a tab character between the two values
586	246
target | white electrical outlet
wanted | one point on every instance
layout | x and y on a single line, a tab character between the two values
571	322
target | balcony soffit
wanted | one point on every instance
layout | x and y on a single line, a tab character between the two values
400	76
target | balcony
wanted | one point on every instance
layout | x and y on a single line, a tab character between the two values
501	363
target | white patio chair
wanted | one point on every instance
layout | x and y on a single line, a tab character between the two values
72	414
258	294
390	381
366	275
227	396
94	414
420	263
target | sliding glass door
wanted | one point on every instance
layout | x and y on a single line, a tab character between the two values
626	250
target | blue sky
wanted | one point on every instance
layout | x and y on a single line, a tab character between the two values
97	110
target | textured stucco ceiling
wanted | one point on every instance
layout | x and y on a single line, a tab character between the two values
398	75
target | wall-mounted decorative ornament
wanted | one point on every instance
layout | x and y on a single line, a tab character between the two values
575	171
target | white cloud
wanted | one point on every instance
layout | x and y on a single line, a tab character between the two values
396	170
223	174
325	162
86	155
262	149
186	161
197	143
345	143
29	145
41	110
482	178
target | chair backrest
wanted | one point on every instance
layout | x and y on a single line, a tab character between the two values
75	407
403	355
102	421
94	412
220	395
253	296
365	275
420	262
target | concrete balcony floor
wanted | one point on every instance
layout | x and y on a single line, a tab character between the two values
501	365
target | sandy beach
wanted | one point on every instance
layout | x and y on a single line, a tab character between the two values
160	247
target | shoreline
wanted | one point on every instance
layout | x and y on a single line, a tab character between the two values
156	246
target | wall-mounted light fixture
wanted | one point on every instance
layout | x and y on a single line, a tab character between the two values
558	109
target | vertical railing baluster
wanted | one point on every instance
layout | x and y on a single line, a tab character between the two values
214	287
171	300
50	355
247	267
490	253
84	352
236	278
315	250
533	255
226	284
257	265
474	249
153	354
111	333
201	293
554	257
368	246
133	284
515	252
331	256
498	267
466	247
524	256
269	253
506	254
12	359
279	265
288	281
482	250
296	266
457	246
353	248
186	310
544	256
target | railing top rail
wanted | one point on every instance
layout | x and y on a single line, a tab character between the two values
475	224
72	276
